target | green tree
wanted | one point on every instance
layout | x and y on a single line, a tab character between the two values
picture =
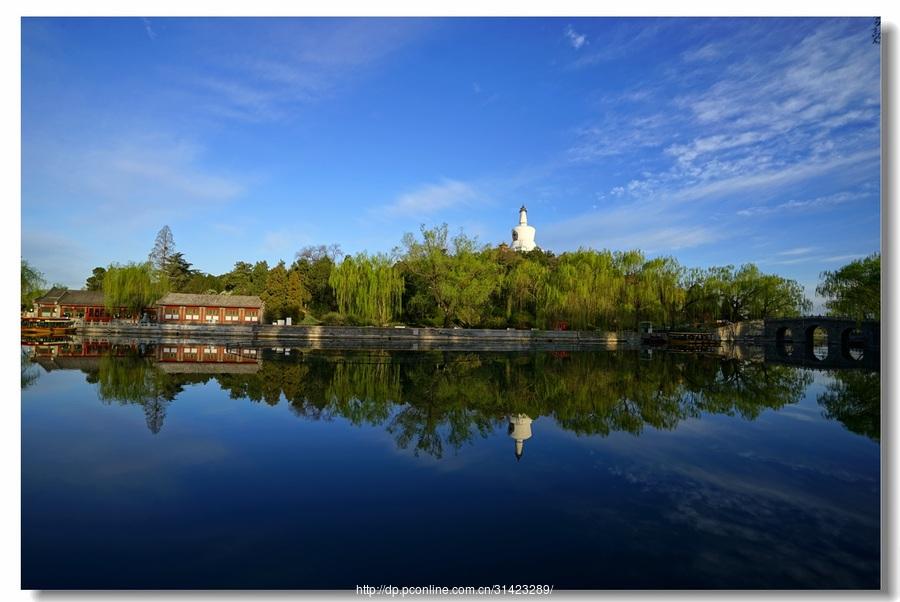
315	264
296	296
239	280
33	284
457	283
133	286
275	293
854	290
259	277
368	289
179	272
94	282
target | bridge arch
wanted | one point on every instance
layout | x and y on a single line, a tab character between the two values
809	338
783	335
854	343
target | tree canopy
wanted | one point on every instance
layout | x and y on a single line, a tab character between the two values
436	279
133	286
33	284
854	290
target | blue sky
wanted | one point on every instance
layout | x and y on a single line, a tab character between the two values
717	141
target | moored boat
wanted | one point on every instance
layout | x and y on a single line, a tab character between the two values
47	326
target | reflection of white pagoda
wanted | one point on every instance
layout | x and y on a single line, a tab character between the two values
520	430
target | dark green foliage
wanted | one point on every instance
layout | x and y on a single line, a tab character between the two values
95	280
284	294
315	264
854	290
438	280
854	398
33	284
439	400
179	272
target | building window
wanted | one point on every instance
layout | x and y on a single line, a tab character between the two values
171	313
251	315
232	314
170	353
212	315
192	313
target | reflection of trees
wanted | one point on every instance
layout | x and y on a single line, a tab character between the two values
30	372
432	401
854	399
135	380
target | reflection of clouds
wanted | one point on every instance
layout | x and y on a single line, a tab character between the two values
751	513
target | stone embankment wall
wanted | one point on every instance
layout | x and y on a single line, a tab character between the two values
749	331
337	336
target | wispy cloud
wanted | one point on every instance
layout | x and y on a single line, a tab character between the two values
821	202
129	175
620	41
756	125
279	242
707	52
432	198
797	251
299	62
148	28
650	229
576	40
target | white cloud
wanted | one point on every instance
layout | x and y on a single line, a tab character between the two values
129	176
797	251
148	28
300	62
643	226
431	198
806	205
706	52
577	40
755	127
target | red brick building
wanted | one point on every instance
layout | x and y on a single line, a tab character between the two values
186	308
88	305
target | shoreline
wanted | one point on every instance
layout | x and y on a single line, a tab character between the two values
364	336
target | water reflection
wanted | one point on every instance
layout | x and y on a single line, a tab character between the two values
235	493
432	401
853	397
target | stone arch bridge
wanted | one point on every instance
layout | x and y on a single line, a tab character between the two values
841	331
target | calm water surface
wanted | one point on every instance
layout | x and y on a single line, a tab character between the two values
180	466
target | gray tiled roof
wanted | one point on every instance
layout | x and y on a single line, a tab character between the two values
211	300
69	297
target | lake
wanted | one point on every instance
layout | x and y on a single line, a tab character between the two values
204	466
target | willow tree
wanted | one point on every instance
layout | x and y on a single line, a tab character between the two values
524	285
133	286
33	284
369	289
665	275
854	290
583	290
